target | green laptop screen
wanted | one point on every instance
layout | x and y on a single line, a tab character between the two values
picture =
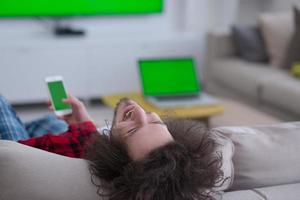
167	77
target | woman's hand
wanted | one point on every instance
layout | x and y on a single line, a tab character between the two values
79	113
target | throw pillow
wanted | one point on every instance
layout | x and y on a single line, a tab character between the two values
277	30
265	155
296	69
293	51
249	43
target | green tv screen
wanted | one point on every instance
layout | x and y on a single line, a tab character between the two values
168	77
49	8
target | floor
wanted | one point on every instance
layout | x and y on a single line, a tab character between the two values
241	114
235	114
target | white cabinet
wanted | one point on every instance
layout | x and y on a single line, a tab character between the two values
23	69
91	68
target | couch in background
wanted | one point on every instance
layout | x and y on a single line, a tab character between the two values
237	61
266	166
257	81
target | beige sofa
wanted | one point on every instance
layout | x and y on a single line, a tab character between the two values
266	162
259	82
266	166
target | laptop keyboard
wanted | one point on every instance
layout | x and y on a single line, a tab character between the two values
174	98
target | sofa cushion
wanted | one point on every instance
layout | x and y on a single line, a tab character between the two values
280	192
277	29
286	192
282	91
265	155
242	76
249	43
242	195
29	173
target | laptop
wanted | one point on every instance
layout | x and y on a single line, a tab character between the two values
172	82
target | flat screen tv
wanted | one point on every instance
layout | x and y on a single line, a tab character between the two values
63	8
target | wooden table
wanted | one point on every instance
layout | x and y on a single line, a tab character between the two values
202	113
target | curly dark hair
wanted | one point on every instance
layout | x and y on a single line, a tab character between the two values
186	169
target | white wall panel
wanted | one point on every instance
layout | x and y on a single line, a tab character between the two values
104	61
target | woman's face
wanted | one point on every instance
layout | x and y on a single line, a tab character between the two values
141	131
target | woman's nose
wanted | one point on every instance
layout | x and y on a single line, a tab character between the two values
139	115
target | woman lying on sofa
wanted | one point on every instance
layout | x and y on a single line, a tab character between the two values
141	157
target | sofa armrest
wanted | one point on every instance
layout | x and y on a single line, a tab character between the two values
219	44
30	173
265	155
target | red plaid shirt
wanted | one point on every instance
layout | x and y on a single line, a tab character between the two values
71	143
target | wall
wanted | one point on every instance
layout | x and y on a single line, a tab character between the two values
280	5
105	57
249	10
180	30
179	15
223	13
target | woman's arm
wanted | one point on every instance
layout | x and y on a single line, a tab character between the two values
71	143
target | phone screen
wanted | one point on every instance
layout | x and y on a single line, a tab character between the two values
58	93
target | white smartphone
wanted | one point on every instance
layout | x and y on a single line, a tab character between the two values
57	93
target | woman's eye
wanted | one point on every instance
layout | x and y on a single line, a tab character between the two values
158	122
130	132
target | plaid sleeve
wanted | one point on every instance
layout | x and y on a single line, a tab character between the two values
71	143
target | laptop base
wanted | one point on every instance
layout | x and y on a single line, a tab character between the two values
203	99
